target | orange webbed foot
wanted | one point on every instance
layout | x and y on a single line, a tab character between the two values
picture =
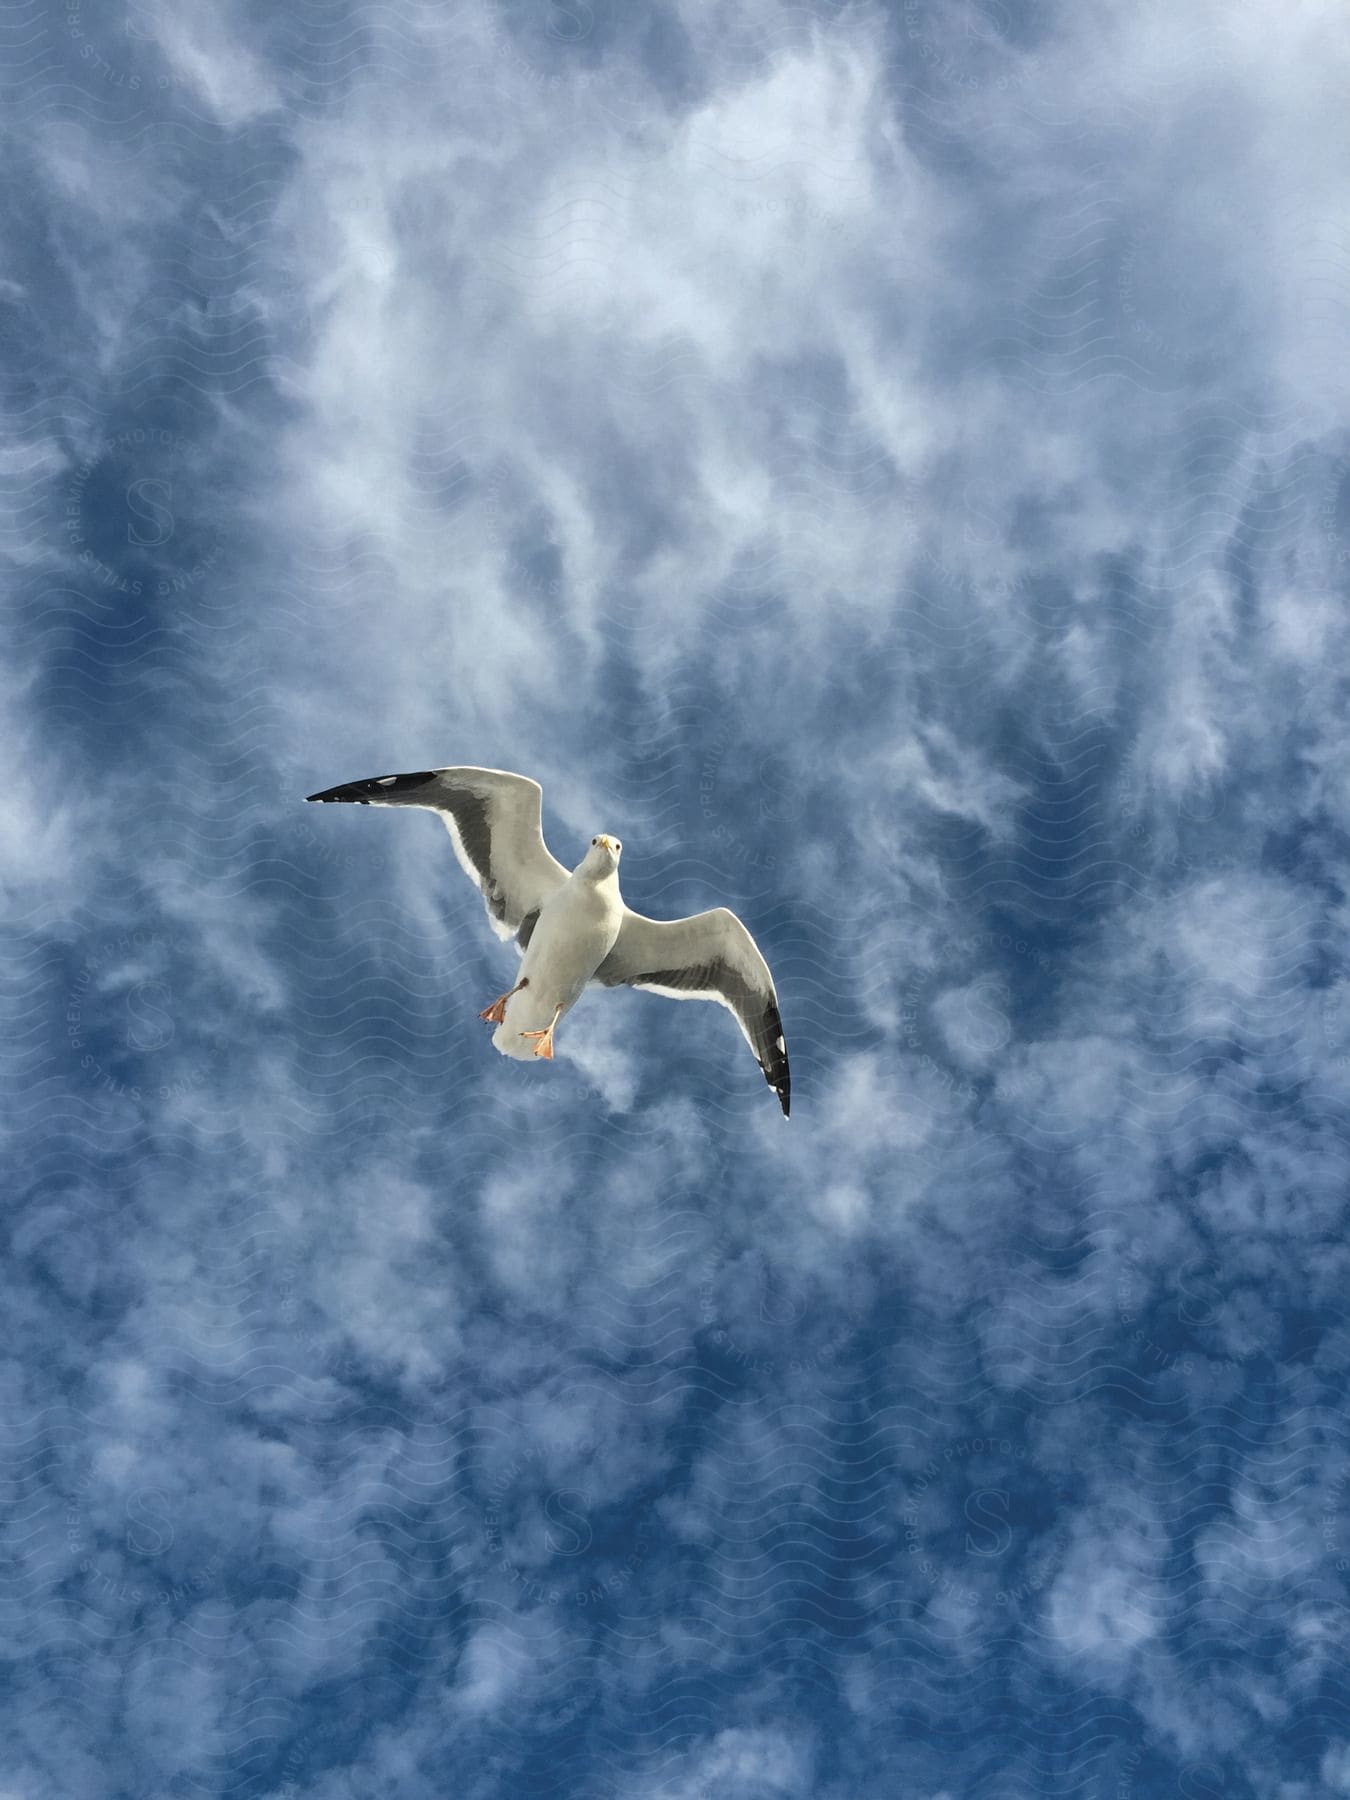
496	1013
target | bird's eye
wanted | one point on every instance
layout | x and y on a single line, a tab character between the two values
617	844
594	842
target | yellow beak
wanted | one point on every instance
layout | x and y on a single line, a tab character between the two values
607	842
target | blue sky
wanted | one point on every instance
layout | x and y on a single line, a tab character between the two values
891	466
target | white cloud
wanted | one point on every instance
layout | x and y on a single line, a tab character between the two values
849	467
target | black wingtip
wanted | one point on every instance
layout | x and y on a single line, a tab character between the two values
351	791
380	787
775	1063
781	1083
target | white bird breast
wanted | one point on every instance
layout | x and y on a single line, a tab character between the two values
575	932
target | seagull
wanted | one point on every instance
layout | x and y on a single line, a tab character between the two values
573	930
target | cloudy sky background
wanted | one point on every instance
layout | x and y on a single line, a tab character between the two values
890	465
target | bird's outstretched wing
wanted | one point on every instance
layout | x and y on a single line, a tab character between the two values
710	956
494	825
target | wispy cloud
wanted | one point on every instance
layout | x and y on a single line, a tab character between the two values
889	465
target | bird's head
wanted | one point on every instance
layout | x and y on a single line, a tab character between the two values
603	855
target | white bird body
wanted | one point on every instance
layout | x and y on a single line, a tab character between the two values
576	930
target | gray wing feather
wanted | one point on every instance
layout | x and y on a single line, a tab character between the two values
493	818
710	956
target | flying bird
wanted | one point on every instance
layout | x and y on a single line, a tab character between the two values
573	928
